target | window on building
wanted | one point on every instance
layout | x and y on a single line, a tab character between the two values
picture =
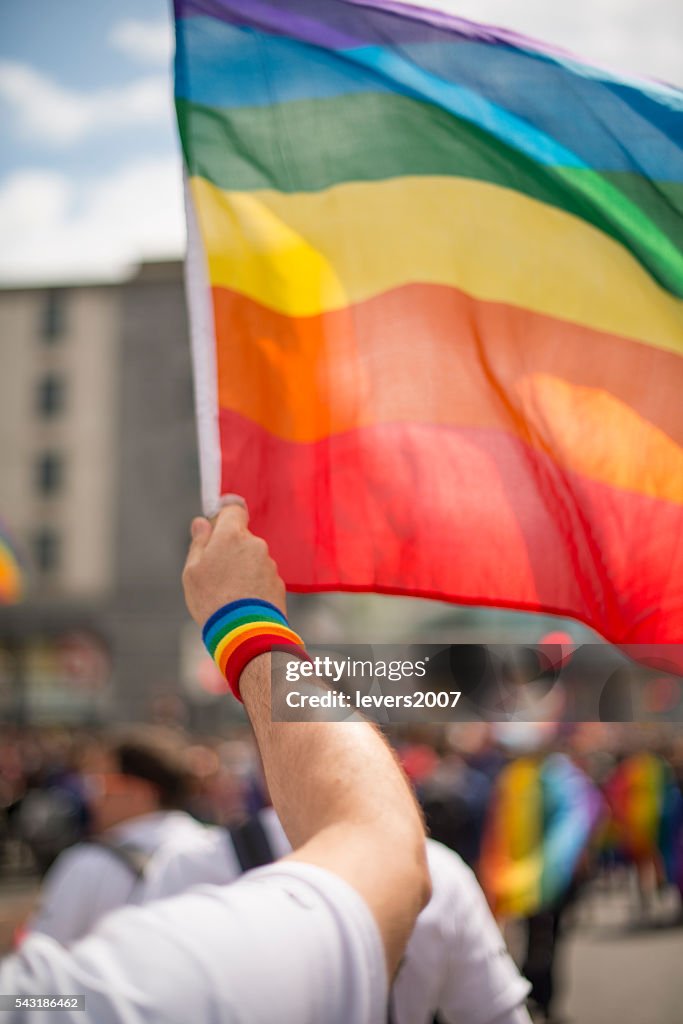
49	473
46	550
50	395
53	315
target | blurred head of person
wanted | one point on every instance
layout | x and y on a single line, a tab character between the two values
526	739
137	772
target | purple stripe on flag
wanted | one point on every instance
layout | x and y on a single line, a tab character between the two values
451	23
344	24
320	22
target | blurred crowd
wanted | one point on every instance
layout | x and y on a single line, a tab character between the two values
635	771
456	770
539	812
631	774
223	775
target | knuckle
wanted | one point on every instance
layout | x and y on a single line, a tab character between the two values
260	546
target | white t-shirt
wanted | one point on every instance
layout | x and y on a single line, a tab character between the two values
456	962
88	881
290	943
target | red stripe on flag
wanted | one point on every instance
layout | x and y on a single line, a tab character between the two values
471	515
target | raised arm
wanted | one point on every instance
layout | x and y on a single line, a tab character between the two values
336	786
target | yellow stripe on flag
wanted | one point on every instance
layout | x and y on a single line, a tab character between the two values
306	253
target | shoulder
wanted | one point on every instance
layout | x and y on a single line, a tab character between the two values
458	916
337	938
310	891
453	882
173	951
207	858
82	863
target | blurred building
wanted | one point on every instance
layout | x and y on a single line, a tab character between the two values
99	481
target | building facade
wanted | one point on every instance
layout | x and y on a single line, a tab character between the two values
99	481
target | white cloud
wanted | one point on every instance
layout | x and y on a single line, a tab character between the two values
148	41
46	110
55	229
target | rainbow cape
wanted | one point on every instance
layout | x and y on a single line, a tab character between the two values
646	813
540	821
435	279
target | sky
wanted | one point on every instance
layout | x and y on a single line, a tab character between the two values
90	171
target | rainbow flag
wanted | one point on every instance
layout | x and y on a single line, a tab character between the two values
542	815
435	279
646	812
11	571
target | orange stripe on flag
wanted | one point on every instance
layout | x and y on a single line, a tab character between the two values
432	354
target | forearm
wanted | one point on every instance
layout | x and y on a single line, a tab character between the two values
345	806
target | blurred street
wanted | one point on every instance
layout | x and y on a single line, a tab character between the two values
622	965
628	977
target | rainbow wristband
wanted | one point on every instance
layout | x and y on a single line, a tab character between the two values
241	630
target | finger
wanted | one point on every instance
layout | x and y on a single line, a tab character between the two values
225	501
200	531
233	499
232	517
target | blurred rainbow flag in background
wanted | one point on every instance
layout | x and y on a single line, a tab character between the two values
435	279
646	812
540	821
12	582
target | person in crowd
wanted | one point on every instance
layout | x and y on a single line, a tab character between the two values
454	799
646	811
543	812
676	758
136	786
314	937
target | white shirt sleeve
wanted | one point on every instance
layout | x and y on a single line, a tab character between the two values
84	883
482	984
289	942
456	966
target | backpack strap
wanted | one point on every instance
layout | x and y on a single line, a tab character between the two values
134	858
251	844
